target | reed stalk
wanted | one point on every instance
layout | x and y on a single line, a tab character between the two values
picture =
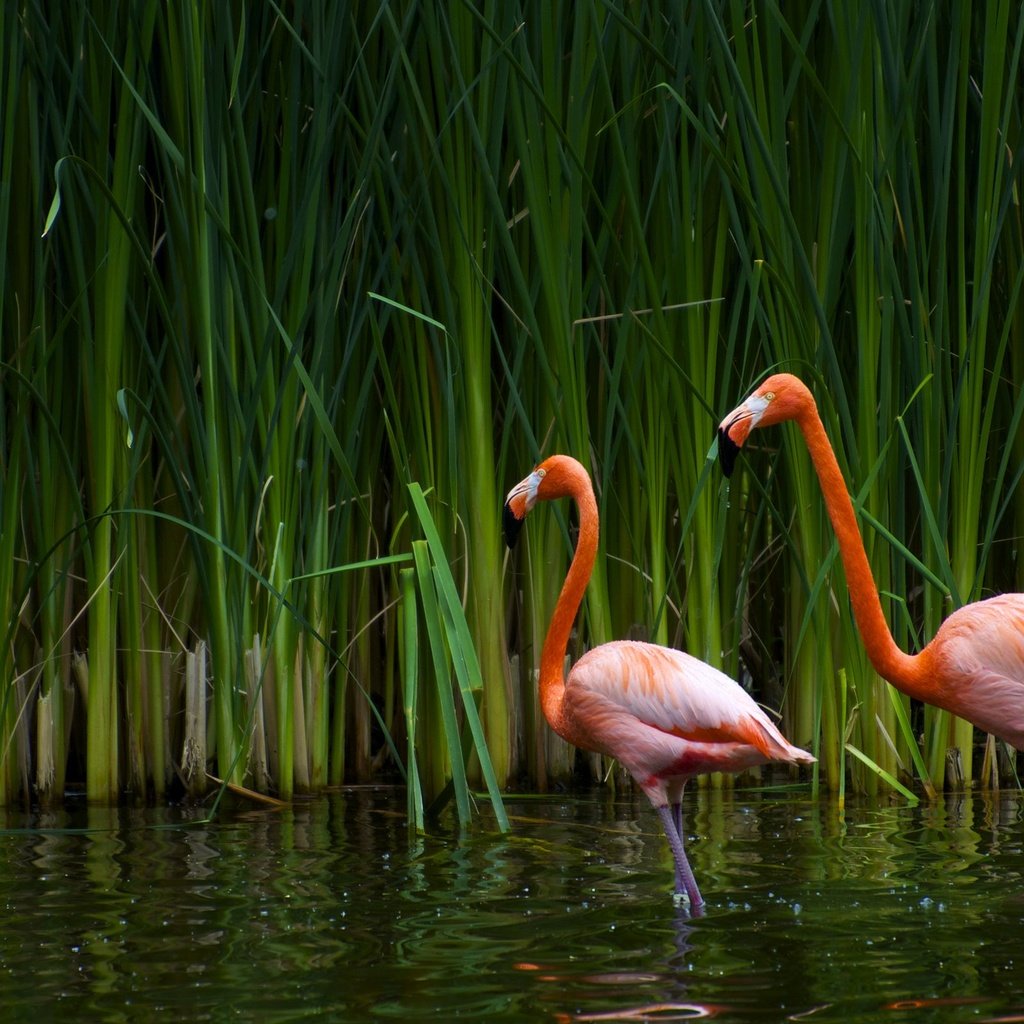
410	690
194	755
106	332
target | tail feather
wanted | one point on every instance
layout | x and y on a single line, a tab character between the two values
774	745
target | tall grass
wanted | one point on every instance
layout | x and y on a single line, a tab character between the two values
318	282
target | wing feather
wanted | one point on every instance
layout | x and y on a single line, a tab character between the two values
978	667
675	693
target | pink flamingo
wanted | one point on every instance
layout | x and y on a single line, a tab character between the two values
974	665
663	714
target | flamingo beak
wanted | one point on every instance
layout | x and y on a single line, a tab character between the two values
735	429
728	449
511	524
520	500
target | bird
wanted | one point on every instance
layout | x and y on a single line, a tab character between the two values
974	665
663	714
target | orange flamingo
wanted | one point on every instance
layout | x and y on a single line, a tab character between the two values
665	715
974	666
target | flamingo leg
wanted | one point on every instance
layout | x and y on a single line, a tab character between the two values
686	884
677	817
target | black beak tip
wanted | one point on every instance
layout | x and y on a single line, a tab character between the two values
728	449
511	524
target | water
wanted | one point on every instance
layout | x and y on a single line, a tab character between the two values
881	913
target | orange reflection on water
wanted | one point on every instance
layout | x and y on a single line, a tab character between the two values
928	1004
645	1012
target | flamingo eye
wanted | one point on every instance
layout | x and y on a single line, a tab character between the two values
541	473
770	396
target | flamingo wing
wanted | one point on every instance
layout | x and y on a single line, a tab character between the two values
627	685
978	665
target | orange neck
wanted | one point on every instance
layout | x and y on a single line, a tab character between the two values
556	643
889	661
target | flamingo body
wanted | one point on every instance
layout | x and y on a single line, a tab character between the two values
974	665
977	668
666	716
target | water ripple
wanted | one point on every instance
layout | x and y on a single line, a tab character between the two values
877	912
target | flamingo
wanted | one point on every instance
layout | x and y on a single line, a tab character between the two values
663	714
974	665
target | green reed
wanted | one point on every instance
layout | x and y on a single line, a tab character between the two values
301	264
881	328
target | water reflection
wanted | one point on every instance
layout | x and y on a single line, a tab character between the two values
881	912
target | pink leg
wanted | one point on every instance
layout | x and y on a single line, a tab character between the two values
677	818
671	820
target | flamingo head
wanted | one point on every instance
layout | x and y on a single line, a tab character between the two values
556	477
780	397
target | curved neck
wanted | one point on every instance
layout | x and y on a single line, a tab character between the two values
889	661
556	643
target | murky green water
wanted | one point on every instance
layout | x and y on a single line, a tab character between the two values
882	914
